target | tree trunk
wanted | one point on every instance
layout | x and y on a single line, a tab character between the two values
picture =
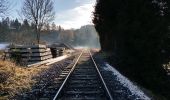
37	32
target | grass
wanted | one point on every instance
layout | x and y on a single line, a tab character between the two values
1	52
15	79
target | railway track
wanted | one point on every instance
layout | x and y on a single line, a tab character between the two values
77	78
83	81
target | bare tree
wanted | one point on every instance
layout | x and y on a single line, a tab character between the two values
38	12
3	6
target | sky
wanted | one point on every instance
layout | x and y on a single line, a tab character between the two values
68	13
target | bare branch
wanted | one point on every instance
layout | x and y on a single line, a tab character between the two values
38	12
3	7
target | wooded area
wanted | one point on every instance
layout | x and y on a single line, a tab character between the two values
137	32
16	31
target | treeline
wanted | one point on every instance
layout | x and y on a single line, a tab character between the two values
85	36
137	32
17	31
15	25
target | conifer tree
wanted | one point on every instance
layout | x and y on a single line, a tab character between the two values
137	32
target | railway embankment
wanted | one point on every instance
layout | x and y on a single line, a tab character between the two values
122	81
17	80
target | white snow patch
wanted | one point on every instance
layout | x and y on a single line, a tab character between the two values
127	83
3	45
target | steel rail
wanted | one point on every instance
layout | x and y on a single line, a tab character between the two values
105	86
63	84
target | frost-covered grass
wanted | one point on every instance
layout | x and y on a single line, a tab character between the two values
127	83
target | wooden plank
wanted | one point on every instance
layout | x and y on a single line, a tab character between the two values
30	51
33	54
39	58
36	54
52	60
58	59
29	46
